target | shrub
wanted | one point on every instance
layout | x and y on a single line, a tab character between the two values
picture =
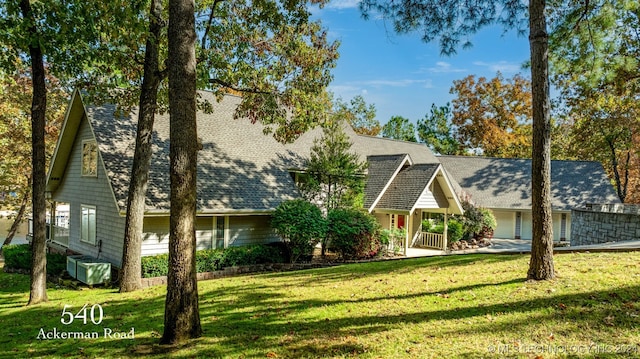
391	239
352	232
56	263
301	226
477	222
155	266
18	256
426	225
209	260
455	230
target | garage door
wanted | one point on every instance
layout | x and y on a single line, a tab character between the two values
527	223
506	225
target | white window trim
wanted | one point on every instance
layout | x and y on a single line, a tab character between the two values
87	240
225	230
82	168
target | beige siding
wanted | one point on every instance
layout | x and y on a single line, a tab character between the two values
204	232
383	219
94	191
244	230
155	236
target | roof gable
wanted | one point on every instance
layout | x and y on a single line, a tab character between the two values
381	172
407	187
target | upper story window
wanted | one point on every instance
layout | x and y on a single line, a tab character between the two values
88	224
89	158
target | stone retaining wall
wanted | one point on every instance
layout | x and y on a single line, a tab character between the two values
602	223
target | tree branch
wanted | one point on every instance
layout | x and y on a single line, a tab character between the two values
239	89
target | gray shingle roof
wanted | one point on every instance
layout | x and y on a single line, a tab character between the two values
506	183
407	186
239	169
381	169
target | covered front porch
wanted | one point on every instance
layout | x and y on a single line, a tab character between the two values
411	224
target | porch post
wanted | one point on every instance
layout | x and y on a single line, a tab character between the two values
446	229
407	234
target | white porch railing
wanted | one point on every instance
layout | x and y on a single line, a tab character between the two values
429	240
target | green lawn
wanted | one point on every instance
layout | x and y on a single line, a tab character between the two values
472	306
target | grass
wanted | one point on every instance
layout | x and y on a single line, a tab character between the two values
471	306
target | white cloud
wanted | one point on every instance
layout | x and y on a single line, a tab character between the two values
443	68
342	4
504	67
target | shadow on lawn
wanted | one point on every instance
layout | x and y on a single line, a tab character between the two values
358	270
253	316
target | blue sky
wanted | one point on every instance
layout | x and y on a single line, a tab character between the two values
400	74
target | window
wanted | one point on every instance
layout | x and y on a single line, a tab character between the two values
89	158
88	224
220	226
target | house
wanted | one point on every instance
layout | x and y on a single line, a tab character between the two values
504	186
243	175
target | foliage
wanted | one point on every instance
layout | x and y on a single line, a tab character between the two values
455	229
595	43
155	266
493	116
358	114
436	130
595	67
352	233
399	128
209	260
392	239
18	256
335	176
15	133
301	226
274	54
477	222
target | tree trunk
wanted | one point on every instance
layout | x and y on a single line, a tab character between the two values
181	317
620	188
130	275
38	290
18	219
541	264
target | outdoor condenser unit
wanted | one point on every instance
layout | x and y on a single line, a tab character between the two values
88	270
93	271
72	263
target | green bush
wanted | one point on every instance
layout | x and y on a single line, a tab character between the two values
56	263
455	230
426	225
477	222
209	260
18	256
392	239
301	226
352	232
155	266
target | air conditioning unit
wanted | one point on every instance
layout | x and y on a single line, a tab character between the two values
72	263
93	271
